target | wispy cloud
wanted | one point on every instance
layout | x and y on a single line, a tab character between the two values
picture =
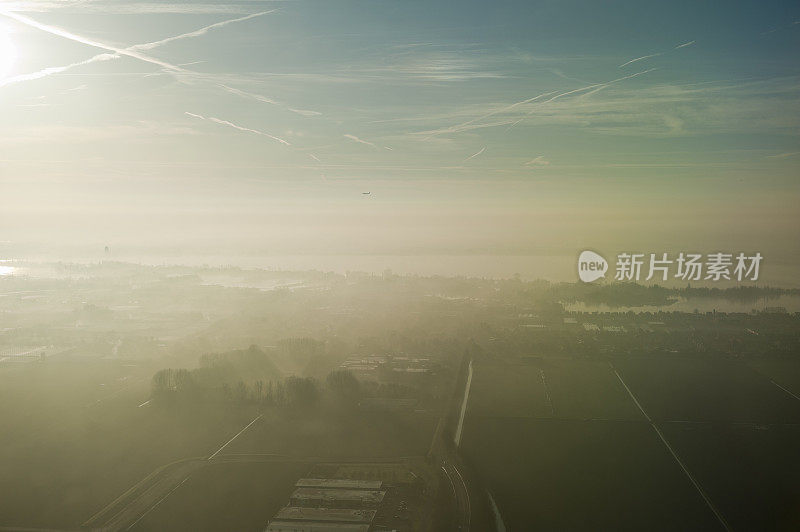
466	125
529	106
236	126
660	110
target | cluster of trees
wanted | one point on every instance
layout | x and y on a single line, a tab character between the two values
170	386
292	392
250	377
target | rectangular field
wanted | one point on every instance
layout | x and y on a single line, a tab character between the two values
361	436
583	475
226	496
550	388
707	390
67	424
751	473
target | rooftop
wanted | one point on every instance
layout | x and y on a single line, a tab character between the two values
339	483
339	494
293	513
314	526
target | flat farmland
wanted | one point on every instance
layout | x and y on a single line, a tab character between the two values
694	389
226	496
550	387
784	371
577	475
595	463
362	436
73	422
751	474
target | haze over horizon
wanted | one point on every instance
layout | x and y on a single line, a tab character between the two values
250	129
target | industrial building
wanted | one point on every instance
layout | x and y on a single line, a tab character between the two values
337	483
340	515
314	526
337	498
330	505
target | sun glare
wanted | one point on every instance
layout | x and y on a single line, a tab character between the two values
8	52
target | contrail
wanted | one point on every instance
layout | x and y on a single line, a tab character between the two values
55	70
197	33
91	42
604	84
133	51
360	141
475	154
457	127
538	161
106	56
236	126
640	59
656	54
588	87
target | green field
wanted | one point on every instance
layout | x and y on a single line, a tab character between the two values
579	475
707	390
784	371
593	462
752	475
361	436
60	445
550	387
226	496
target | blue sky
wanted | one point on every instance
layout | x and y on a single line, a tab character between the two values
470	118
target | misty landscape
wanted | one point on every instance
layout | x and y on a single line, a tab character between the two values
155	398
398	266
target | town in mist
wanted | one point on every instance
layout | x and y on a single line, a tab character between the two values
356	266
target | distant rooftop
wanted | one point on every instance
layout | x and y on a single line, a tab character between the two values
340	515
314	526
339	483
339	495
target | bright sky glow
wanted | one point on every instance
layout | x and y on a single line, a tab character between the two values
507	118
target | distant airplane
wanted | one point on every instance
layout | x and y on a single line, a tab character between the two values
367	193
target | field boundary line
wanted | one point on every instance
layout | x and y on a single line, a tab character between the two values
460	427
162	499
237	435
785	389
686	471
132	490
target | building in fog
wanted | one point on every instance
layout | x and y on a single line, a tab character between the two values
339	483
314	526
339	515
336	498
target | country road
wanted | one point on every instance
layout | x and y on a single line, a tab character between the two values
461	494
